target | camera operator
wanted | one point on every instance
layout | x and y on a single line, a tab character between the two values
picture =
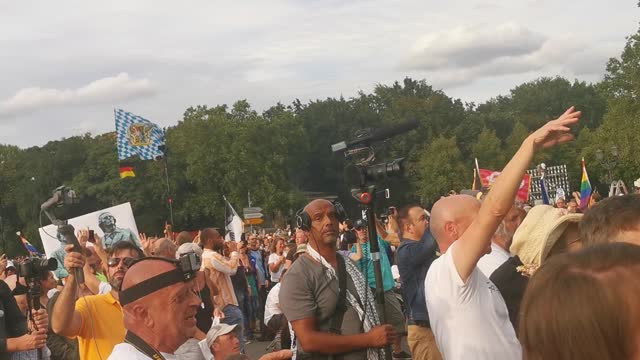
326	320
97	319
17	334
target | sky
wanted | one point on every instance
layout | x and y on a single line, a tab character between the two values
66	64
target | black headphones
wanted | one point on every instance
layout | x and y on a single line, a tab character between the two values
303	220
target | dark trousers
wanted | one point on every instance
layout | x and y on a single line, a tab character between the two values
279	324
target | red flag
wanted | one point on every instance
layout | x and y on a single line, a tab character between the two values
489	177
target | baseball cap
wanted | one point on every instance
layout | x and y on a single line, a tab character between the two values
10	264
217	331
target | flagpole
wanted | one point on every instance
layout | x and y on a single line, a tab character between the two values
166	177
225	214
249	200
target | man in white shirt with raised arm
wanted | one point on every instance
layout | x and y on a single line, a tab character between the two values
468	315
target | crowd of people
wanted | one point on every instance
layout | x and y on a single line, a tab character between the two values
473	277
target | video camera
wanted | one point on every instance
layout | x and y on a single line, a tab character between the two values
360	150
35	268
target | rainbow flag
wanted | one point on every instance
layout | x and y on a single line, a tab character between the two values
33	251
585	188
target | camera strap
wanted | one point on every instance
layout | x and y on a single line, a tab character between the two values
341	306
142	346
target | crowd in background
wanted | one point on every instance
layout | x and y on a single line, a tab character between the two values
473	277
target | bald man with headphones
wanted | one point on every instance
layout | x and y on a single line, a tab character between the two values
324	293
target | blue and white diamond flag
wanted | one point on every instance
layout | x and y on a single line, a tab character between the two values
138	136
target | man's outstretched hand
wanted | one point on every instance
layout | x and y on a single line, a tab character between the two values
556	131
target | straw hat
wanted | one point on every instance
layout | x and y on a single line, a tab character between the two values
539	232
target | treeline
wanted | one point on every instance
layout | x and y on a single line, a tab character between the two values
283	154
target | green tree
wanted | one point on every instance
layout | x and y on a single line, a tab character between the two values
488	150
439	169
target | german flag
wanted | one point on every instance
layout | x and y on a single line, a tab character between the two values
126	171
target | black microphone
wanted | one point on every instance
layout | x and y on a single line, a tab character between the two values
377	135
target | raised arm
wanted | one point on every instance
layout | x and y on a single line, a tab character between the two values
475	240
65	320
220	263
356	256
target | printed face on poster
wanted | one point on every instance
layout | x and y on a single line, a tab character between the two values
112	225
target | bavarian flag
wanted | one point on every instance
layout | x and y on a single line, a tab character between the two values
126	171
138	136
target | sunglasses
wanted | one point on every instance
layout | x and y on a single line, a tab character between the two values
127	261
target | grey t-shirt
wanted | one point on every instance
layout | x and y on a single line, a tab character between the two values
307	291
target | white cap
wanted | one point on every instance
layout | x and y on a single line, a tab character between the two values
10	264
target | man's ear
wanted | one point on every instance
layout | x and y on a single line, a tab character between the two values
451	230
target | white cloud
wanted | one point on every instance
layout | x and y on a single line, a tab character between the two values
110	89
464	55
473	45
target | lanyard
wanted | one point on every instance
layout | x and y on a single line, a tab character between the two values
142	346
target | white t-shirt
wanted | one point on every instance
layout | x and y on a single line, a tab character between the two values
125	351
271	306
469	321
490	262
275	276
103	288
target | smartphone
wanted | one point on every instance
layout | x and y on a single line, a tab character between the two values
91	239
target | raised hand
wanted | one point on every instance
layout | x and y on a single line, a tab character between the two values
83	237
3	263
73	259
146	243
556	131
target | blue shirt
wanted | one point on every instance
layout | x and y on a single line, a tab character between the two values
255	256
366	265
414	260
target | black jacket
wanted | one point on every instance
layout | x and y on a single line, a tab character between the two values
13	323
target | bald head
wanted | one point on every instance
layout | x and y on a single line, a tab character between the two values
211	239
451	216
316	204
183	238
142	271
324	222
165	318
165	248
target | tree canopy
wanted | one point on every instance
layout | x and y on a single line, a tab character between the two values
283	156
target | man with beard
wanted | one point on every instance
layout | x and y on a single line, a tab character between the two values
113	234
96	320
501	241
220	270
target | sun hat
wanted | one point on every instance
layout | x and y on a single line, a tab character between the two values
539	232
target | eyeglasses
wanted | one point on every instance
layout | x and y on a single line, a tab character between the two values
127	261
